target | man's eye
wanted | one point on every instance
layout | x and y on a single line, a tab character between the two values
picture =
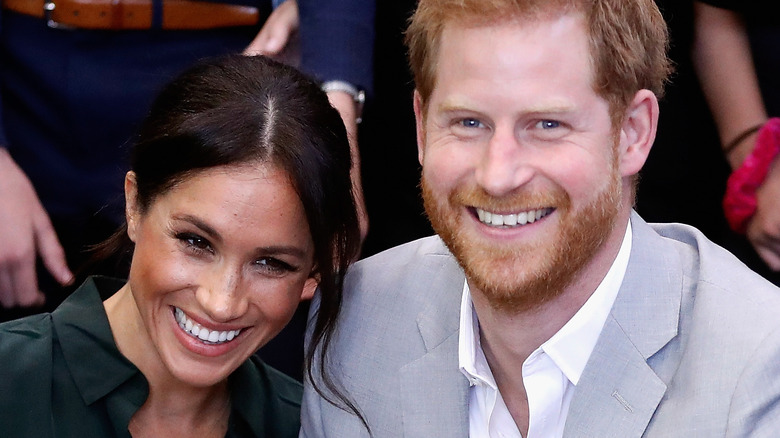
471	123
549	124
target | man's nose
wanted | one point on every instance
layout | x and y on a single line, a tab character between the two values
504	165
220	294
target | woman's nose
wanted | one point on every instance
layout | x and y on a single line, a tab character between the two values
221	296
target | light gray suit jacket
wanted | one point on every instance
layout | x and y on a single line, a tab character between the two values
691	347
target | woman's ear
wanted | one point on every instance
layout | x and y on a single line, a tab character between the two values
310	287
132	214
637	132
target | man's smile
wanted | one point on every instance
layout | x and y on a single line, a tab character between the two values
513	219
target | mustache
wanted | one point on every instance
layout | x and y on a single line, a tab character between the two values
520	200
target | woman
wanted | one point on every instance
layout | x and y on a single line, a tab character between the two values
238	206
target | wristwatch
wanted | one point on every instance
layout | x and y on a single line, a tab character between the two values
358	95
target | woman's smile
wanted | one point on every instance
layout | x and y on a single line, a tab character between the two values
202	333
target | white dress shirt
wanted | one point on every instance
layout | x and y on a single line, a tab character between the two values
550	373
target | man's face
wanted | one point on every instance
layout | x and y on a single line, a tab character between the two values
520	170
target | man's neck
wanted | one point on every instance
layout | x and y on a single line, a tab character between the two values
509	338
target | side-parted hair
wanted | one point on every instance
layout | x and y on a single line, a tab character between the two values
236	110
628	40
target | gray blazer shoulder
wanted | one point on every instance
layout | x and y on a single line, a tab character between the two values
400	288
393	347
691	334
398	276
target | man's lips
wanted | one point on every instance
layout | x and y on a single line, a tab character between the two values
512	219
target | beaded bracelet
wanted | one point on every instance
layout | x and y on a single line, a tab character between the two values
739	202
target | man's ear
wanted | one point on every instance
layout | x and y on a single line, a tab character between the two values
132	214
637	132
420	123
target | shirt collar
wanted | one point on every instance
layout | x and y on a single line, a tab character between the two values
570	347
471	357
99	370
83	331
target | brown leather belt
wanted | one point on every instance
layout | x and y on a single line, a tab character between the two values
135	14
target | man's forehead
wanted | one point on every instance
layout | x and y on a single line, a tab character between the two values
524	14
555	29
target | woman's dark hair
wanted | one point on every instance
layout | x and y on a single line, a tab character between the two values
236	110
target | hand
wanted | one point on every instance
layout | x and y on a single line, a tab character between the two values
25	231
278	37
763	230
345	104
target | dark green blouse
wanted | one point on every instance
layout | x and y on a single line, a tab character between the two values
61	375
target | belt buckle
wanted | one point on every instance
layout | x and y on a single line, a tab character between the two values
48	8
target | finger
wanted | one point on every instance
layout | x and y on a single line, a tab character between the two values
25	284
268	42
50	250
766	246
256	47
277	39
265	44
276	31
7	295
770	257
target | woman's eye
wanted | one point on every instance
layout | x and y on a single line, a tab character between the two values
274	266
195	242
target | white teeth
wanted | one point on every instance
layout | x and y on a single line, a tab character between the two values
202	333
511	220
522	218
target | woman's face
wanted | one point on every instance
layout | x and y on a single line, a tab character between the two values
221	262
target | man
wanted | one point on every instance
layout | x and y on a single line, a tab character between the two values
546	307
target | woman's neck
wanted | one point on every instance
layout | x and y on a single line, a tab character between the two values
182	414
172	407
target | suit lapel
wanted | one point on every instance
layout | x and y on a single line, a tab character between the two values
434	392
618	391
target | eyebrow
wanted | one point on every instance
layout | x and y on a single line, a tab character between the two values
455	105
263	250
208	229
